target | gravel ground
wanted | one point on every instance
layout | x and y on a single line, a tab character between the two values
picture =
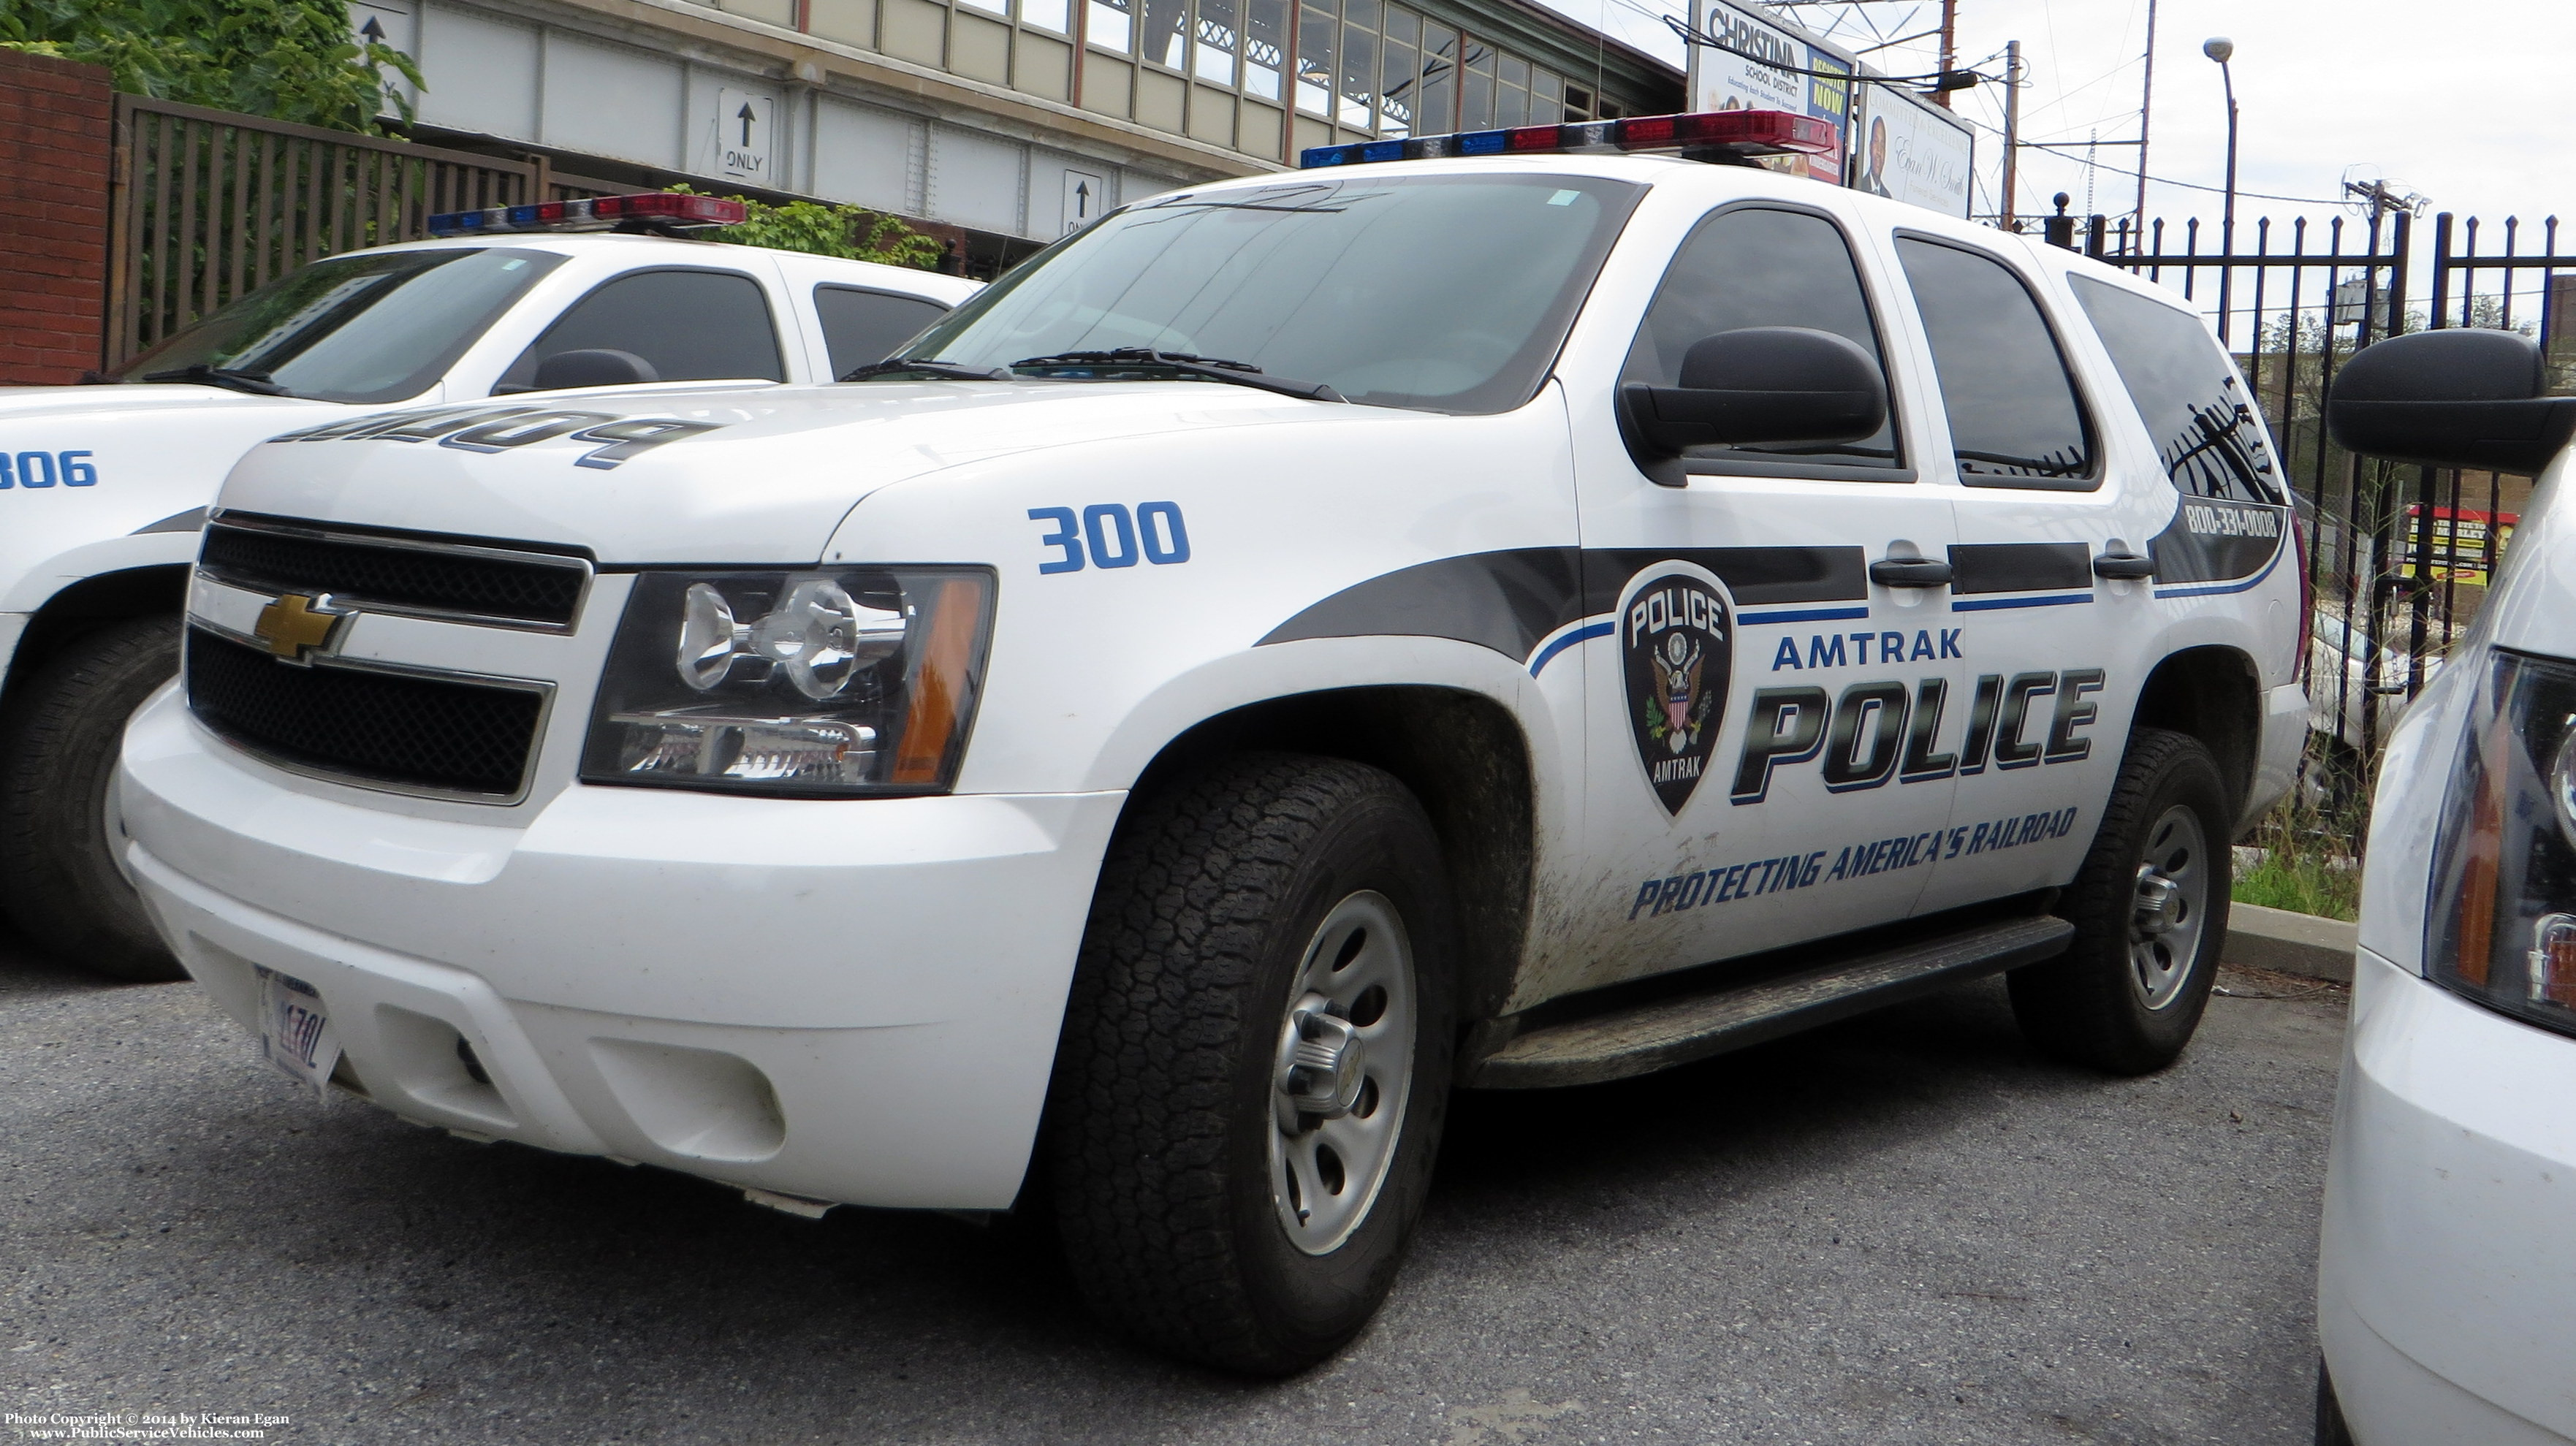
1902	1229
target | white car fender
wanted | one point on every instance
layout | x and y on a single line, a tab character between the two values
49	576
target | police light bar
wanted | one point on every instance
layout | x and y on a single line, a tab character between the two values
1718	134
668	208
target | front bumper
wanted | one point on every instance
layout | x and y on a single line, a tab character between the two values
2449	1251
854	1001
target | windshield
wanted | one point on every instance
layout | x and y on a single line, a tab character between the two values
1445	293
369	328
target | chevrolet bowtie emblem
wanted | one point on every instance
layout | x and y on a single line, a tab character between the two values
295	625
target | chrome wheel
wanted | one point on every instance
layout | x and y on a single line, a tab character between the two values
2172	906
1343	1072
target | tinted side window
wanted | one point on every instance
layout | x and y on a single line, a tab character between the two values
2186	392
2013	415
689	325
1758	267
860	327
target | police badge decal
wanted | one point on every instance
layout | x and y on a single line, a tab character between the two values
1677	652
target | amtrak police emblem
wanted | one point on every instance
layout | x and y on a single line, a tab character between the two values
1677	651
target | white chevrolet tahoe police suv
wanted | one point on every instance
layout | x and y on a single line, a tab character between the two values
102	489
1299	645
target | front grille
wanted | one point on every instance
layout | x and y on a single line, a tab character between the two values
430	733
427	578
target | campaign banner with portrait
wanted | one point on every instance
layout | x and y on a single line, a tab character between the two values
1911	150
1761	65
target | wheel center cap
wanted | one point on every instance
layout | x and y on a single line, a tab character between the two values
2159	903
1322	1069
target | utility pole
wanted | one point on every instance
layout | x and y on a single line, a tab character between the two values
2146	108
2012	128
1950	46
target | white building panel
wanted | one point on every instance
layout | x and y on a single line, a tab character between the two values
863	156
976	180
612	101
481	73
1135	185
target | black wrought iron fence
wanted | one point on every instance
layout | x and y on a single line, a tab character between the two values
2398	558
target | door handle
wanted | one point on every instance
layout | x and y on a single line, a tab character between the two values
2123	566
1909	572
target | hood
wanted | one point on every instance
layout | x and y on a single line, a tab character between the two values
720	475
138	399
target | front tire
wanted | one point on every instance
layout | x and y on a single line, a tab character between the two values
1255	1061
2150	916
60	731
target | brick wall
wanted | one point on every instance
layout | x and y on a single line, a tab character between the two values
56	119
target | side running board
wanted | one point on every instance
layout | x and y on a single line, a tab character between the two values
1644	1038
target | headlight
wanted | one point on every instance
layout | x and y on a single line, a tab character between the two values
825	683
2501	924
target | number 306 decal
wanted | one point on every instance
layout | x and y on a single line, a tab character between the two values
1109	537
47	469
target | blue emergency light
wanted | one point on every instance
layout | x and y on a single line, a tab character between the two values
668	208
1719	134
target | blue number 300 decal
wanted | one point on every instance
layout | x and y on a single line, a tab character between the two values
1153	534
45	469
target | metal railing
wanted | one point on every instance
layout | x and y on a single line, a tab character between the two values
207	205
2398	557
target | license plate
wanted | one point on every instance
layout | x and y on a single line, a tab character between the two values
294	1030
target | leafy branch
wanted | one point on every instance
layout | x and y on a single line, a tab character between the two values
824	229
290	60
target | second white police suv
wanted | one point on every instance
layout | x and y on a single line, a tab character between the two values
1297	646
103	488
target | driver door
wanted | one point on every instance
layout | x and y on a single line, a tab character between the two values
1772	730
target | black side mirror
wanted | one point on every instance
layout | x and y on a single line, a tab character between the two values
592	367
1759	384
2468	398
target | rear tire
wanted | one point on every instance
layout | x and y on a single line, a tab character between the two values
2150	916
1235	1178
60	731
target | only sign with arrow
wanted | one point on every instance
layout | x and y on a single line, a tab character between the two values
1085	197
740	129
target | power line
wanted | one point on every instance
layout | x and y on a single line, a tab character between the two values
1692	35
2186	185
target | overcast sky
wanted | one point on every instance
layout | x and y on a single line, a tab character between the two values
2464	103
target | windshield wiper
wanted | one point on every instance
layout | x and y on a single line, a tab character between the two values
1216	369
927	368
255	383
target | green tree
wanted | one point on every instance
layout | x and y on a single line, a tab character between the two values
828	230
290	60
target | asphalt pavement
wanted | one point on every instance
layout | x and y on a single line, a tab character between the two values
1903	1229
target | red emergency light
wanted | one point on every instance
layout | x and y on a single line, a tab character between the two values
1713	135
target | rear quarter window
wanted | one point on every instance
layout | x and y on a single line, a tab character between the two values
2187	393
862	326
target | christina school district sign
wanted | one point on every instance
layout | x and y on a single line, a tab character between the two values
1892	144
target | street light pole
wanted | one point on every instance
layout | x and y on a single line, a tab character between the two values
2222	50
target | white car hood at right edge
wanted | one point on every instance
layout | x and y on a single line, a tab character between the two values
773	474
